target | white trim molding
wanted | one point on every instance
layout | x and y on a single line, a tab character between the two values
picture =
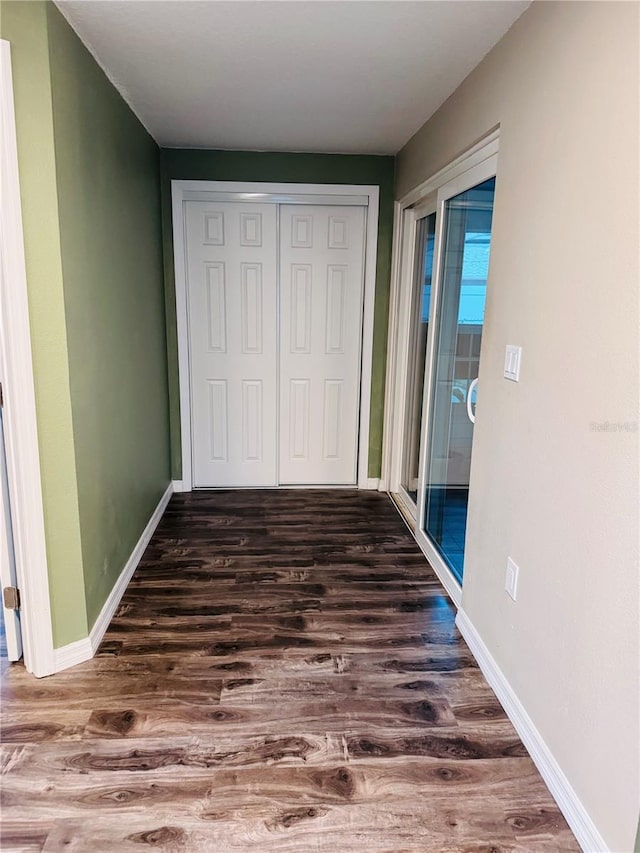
72	654
85	649
561	789
109	608
482	150
276	193
19	413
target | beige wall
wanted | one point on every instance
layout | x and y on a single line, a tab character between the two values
558	496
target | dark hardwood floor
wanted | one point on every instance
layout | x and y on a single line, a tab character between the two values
283	674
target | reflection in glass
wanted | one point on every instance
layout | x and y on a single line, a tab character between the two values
425	236
465	266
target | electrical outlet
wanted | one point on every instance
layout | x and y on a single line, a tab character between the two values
511	581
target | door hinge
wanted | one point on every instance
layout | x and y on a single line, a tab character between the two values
11	597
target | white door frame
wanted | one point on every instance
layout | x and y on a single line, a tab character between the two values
403	336
19	413
469	167
275	193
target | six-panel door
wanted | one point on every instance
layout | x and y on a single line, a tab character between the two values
232	307
275	329
321	277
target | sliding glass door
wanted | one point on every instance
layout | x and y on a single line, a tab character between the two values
446	241
466	241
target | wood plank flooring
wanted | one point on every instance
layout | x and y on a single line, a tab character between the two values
283	674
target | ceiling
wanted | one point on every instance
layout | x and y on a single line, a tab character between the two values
351	76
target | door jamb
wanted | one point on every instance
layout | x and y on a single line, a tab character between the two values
277	193
19	414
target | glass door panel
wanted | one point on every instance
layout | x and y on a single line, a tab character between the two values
421	297
460	316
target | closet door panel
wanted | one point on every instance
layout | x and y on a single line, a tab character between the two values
321	292
232	309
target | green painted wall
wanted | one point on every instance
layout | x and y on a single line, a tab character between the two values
91	208
24	24
90	186
109	206
197	164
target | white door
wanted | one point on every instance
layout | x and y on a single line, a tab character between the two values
232	309
7	560
275	330
321	291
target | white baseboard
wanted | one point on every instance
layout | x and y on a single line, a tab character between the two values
109	608
568	801
178	486
373	483
85	649
71	654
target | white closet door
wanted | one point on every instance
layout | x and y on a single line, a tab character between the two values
321	290
232	305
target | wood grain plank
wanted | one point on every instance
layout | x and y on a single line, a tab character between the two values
283	674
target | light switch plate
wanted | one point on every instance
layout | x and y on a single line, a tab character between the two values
511	579
512	363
